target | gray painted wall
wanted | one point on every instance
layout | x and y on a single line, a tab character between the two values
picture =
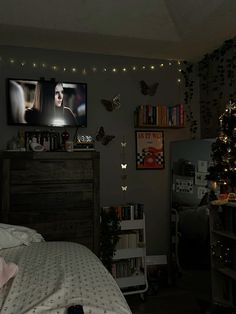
150	187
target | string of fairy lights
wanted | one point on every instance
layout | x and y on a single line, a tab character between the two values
84	70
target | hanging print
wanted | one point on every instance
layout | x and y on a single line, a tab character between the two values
149	150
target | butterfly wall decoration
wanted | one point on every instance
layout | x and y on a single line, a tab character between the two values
149	90
113	104
102	137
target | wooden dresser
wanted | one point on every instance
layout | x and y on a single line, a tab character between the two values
56	193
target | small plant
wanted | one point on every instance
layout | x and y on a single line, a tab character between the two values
109	236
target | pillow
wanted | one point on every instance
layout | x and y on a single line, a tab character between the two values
11	235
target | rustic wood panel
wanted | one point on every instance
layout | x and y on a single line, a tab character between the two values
35	171
49	201
56	194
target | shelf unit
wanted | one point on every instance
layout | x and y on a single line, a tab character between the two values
129	261
223	254
160	116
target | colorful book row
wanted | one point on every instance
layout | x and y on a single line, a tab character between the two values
130	211
159	116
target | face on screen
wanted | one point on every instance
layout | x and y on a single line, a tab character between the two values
59	92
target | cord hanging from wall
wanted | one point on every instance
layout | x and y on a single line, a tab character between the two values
124	166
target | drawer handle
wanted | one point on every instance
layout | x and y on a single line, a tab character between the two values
51	161
49	187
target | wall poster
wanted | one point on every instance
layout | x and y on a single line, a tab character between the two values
149	150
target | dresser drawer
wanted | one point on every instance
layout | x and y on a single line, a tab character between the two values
58	229
34	171
80	231
30	216
51	197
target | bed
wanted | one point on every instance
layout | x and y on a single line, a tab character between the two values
54	277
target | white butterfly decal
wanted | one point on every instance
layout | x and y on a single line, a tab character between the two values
123	166
124	188
123	144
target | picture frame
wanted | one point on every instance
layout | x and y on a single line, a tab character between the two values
149	150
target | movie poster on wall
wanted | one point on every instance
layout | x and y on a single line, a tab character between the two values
149	150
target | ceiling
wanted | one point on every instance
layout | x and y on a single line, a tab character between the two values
162	29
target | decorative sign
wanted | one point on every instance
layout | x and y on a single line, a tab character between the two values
202	165
149	150
200	178
201	191
184	185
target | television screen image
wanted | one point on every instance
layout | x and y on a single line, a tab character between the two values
46	103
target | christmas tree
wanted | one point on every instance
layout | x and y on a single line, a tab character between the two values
223	168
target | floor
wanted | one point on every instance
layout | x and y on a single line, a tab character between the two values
190	295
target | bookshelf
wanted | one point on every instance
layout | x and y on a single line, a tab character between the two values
160	116
223	252
129	260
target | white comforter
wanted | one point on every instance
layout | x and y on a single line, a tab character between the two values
55	275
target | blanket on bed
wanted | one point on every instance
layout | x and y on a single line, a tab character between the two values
53	276
7	271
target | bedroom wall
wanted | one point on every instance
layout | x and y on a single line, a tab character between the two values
150	187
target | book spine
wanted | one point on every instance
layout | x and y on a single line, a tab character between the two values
132	240
159	116
181	124
174	115
141	114
177	115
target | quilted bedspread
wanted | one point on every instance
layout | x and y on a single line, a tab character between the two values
55	275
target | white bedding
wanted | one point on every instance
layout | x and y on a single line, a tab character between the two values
55	275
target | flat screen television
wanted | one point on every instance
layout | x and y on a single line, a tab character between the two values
46	103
